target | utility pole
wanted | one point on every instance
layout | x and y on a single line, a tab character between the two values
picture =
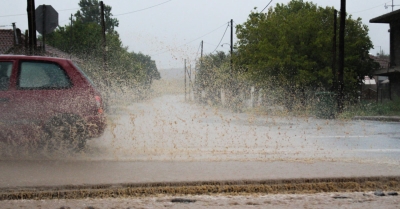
201	54
185	79
44	28
231	47
31	26
15	34
190	81
26	42
334	85
71	38
341	53
103	33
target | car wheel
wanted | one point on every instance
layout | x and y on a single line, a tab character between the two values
65	132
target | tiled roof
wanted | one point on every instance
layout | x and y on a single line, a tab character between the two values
7	43
387	18
54	52
6	40
383	62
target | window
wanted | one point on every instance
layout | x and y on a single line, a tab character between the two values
40	75
5	74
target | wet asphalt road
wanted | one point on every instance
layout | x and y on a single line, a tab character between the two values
168	129
165	139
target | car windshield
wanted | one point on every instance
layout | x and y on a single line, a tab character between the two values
174	103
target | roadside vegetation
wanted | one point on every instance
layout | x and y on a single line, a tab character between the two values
287	54
123	71
372	108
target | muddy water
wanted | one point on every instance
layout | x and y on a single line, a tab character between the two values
168	140
166	128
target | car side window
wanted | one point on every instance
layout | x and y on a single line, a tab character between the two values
5	74
42	75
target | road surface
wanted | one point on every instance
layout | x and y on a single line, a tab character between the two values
279	201
168	140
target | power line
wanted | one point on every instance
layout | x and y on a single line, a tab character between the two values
63	21
192	40
221	38
49	5
94	6
266	6
198	50
371	8
143	9
72	9
12	15
209	43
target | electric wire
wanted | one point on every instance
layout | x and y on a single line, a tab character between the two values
197	53
192	40
209	43
143	9
95	6
371	8
266	6
63	10
221	38
76	8
12	15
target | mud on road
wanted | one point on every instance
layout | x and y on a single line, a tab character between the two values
167	131
279	201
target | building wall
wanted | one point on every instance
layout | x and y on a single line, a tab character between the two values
395	85
395	43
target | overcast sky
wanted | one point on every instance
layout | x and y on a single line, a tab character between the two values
171	30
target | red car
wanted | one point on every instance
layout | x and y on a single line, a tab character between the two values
48	100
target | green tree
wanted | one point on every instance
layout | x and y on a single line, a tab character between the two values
83	39
90	13
213	74
291	47
214	71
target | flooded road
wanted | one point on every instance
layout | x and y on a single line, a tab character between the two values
168	140
167	128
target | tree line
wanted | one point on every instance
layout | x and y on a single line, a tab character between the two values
289	49
83	38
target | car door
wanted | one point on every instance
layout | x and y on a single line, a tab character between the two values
5	83
39	93
6	106
41	87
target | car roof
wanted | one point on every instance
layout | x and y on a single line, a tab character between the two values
25	57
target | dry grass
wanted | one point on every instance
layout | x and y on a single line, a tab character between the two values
294	186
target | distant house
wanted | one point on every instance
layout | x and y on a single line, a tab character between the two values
9	41
393	70
369	89
13	42
377	87
384	63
